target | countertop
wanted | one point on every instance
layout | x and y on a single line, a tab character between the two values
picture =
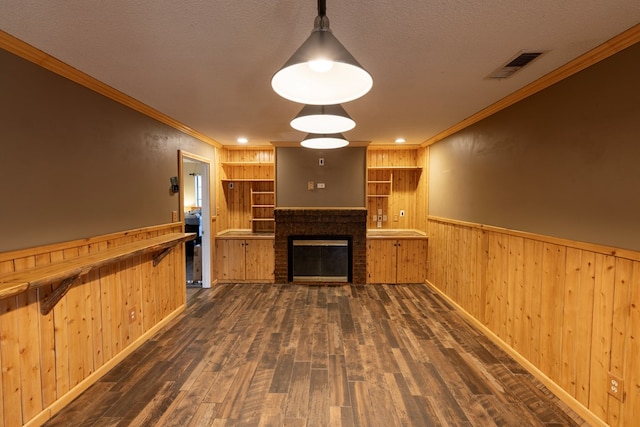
371	234
395	234
243	234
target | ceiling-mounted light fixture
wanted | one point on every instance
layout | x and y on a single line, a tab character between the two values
321	71
324	119
324	141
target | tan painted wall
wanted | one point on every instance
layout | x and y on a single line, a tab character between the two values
563	162
75	164
343	174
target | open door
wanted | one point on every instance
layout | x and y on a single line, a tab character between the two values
195	213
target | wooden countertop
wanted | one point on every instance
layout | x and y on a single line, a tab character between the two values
243	234
395	234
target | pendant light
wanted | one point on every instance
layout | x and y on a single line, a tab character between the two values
324	119
324	141
321	71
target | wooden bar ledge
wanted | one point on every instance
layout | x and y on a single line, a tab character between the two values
69	271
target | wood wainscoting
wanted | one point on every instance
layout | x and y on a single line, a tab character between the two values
568	311
48	360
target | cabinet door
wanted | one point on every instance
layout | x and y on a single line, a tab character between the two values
412	260
260	260
230	259
381	261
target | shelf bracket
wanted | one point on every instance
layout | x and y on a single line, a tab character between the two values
57	294
160	256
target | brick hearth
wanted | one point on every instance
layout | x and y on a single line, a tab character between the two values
322	222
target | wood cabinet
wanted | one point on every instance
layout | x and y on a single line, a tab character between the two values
391	260
245	260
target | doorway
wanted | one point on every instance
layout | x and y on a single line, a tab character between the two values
195	213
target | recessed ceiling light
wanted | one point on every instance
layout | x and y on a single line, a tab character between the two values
242	140
400	140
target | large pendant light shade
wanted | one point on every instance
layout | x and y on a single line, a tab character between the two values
324	119
323	141
321	71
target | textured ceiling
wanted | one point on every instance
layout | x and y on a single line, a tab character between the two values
208	64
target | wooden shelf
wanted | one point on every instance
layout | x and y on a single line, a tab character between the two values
247	163
262	204
394	168
247	180
69	271
379	182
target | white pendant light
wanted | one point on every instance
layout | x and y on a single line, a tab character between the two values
324	141
321	71
324	119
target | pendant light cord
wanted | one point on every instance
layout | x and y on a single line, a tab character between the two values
322	8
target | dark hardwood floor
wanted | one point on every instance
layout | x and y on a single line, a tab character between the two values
293	355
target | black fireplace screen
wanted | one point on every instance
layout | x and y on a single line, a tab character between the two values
320	258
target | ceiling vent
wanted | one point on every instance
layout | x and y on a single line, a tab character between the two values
514	65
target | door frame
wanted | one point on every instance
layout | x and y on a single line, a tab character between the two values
206	218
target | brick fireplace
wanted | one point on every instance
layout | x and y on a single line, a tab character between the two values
321	223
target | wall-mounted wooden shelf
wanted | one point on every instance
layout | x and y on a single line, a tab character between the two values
247	163
247	180
394	168
69	271
263	201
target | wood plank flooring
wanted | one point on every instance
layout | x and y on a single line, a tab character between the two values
293	355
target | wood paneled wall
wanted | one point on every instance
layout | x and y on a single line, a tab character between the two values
47	360
567	309
407	190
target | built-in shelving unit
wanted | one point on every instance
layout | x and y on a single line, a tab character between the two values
247	178
393	176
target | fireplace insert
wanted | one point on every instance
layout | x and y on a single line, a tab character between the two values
320	258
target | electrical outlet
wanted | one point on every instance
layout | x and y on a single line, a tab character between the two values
384	218
310	185
174	216
374	217
132	315
395	218
615	386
